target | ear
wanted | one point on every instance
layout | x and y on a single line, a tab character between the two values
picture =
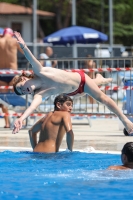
58	105
22	78
124	159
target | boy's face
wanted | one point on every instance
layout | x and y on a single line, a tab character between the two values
66	106
23	87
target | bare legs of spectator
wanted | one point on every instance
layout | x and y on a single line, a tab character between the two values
3	107
5	110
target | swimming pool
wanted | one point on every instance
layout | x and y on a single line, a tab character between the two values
64	175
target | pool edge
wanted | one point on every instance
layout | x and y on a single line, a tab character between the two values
88	150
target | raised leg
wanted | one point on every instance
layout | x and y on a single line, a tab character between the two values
100	80
92	89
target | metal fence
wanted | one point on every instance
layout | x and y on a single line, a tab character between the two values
120	89
119	69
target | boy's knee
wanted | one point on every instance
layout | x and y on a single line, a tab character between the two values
103	98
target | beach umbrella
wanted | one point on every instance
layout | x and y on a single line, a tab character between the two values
75	35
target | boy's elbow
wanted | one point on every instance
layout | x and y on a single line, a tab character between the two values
70	133
29	131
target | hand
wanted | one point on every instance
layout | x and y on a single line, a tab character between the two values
19	39
17	126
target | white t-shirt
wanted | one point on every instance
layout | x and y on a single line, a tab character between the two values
47	63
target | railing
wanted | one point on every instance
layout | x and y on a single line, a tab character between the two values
120	69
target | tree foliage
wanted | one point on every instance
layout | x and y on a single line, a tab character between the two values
89	13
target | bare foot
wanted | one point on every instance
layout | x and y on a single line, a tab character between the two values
100	80
129	127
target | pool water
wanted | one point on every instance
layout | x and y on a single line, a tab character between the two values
64	175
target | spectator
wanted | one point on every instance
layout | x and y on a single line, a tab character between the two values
48	53
90	64
8	60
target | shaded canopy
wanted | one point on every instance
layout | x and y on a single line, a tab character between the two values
75	34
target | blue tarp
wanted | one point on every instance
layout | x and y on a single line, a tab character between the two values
13	99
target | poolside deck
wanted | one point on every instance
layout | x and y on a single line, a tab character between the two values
103	135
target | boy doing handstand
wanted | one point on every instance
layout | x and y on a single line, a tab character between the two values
48	81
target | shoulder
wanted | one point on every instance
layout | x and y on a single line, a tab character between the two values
12	42
62	113
11	39
65	114
43	55
117	167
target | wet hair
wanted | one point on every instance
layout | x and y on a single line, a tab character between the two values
62	98
128	151
17	79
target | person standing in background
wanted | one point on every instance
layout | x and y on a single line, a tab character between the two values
8	60
48	53
90	64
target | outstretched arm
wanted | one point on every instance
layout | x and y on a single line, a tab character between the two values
33	133
69	131
35	103
36	65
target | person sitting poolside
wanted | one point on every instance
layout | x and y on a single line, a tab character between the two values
126	158
53	126
48	53
47	81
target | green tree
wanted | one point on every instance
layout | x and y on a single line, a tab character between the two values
90	13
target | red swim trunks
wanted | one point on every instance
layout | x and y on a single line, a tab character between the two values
81	85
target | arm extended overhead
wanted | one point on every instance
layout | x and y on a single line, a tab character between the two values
36	65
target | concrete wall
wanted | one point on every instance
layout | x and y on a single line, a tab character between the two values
6	21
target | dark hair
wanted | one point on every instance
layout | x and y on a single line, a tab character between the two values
62	98
17	79
125	132
15	90
128	151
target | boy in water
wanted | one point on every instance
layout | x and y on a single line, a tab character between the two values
126	158
48	81
53	127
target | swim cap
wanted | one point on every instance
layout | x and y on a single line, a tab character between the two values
8	31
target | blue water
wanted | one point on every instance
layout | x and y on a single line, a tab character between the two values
64	175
